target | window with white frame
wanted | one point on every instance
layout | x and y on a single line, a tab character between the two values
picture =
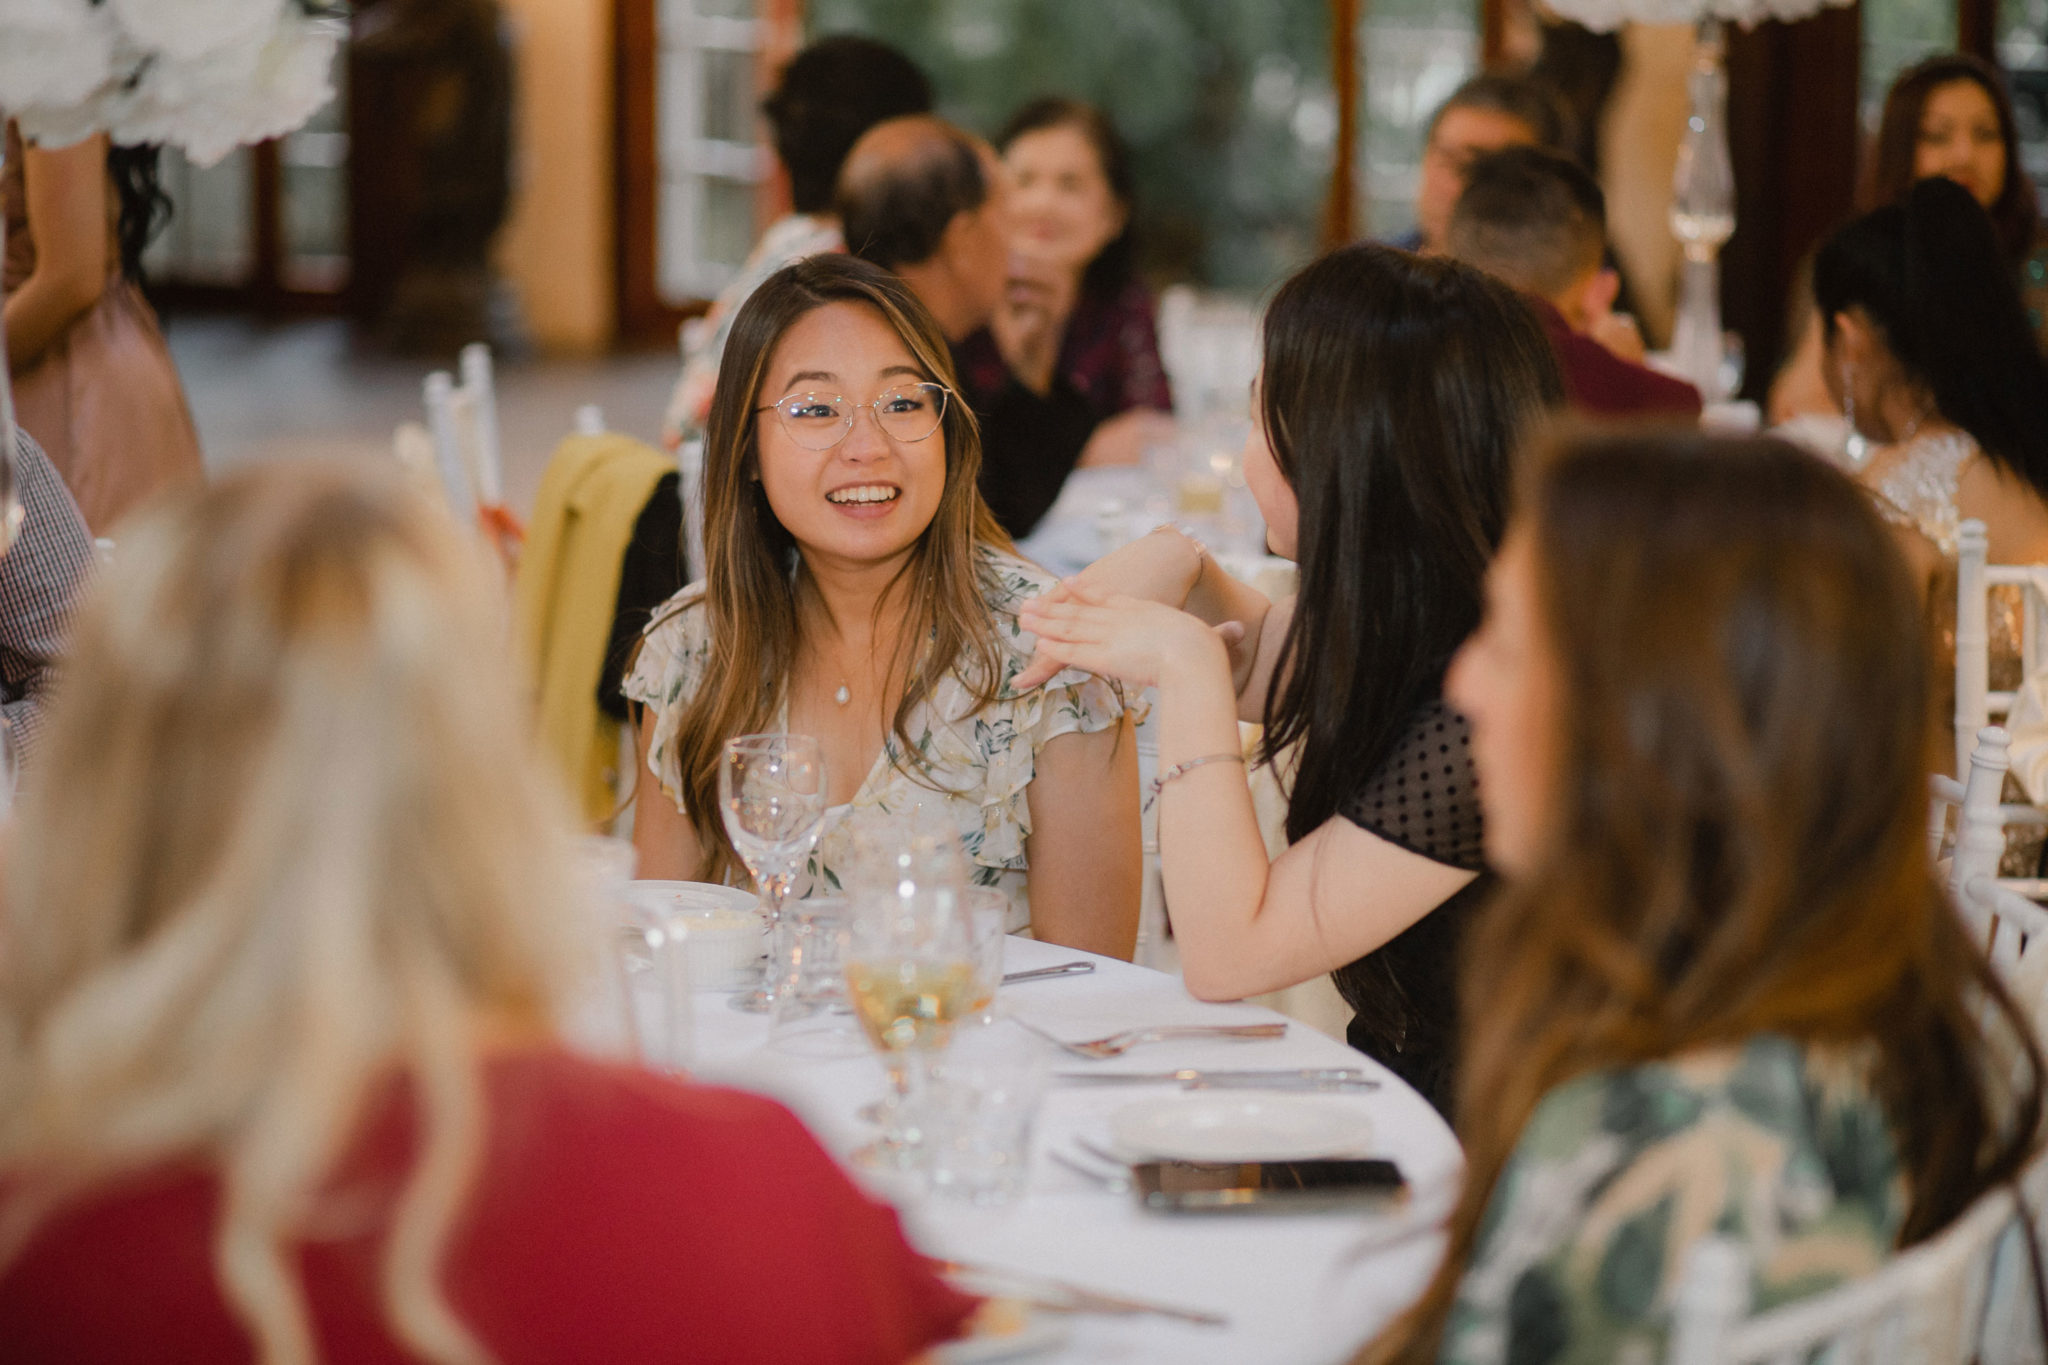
708	142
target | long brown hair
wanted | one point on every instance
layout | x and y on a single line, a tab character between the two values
752	569
1738	841
2016	212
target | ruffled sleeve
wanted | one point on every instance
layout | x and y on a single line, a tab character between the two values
1001	742
665	676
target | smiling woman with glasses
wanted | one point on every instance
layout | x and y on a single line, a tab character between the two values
858	590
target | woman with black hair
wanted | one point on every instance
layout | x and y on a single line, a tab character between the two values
1393	390
93	380
1074	258
1927	350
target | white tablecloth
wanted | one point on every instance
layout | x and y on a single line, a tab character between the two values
1295	1287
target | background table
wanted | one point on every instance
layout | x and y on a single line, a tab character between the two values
1296	1287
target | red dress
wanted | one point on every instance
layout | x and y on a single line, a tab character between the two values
616	1217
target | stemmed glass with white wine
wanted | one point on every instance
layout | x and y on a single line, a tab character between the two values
771	795
911	976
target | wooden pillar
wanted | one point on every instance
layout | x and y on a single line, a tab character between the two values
1339	213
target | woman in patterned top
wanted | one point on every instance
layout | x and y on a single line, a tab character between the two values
858	590
1721	991
1392	391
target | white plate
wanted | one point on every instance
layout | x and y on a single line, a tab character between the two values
689	898
1216	1127
726	931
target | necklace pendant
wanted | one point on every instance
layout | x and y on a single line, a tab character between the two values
842	696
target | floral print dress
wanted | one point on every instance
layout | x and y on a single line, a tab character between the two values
978	763
1781	1147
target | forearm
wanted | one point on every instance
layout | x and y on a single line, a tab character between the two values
66	198
1212	857
40	312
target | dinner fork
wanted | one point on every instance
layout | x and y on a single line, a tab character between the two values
1117	1044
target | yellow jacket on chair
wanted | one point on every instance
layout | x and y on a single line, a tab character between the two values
567	589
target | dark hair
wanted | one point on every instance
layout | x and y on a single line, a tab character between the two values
750	593
1737	841
1115	265
1891	174
145	210
895	213
1394	391
830	93
1531	217
1929	273
1533	102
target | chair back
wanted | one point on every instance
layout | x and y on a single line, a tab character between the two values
462	418
1925	1306
1976	703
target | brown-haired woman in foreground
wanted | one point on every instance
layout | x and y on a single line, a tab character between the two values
286	931
1721	991
858	590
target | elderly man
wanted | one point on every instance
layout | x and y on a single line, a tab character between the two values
926	200
39	579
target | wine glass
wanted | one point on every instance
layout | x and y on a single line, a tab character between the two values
911	975
771	795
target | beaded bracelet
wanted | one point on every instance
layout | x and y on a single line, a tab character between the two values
1182	769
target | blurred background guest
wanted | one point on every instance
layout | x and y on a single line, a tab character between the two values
1070	217
1538	222
1927	352
1951	116
1668	946
828	95
93	380
928	201
287	933
40	577
1392	390
856	589
1483	115
1948	116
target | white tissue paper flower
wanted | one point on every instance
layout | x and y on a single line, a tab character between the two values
56	52
188	30
256	89
1604	16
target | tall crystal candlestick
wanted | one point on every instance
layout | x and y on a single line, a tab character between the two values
1703	215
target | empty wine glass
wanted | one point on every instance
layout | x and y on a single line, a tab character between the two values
771	795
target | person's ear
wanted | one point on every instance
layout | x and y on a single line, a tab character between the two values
1853	338
1602	289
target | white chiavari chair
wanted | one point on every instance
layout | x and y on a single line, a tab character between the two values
1976	704
1962	1297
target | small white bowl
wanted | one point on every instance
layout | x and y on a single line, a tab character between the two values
724	932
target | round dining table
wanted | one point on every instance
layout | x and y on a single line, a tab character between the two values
1305	1287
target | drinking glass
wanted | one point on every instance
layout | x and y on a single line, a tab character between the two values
811	1016
910	974
771	795
988	923
977	1111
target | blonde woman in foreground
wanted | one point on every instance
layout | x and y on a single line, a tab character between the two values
287	929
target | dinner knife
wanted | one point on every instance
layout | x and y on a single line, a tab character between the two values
1189	1078
1044	973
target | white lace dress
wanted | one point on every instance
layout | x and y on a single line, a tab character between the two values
979	761
1920	489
